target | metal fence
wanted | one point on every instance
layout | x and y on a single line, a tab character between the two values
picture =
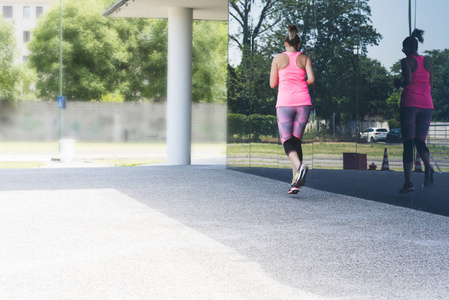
438	143
438	133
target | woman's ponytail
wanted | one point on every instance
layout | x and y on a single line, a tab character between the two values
418	33
292	31
292	37
410	44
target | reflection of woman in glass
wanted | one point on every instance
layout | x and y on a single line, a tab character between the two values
416	108
293	106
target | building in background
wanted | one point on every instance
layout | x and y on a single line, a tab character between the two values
24	15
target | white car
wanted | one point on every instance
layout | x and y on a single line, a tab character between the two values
374	134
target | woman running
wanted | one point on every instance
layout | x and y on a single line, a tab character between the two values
416	108
289	70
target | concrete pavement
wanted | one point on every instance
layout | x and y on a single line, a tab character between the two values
205	232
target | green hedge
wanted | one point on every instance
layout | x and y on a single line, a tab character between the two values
242	127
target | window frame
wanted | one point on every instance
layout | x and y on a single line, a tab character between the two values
39	11
8	8
26	8
26	36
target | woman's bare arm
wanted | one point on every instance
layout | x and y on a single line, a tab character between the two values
309	71
406	73
274	77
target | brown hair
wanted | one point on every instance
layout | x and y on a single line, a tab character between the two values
410	44
292	37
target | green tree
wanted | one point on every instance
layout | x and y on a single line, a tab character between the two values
92	52
209	61
336	37
335	34
9	73
375	87
393	106
254	20
123	57
440	90
144	71
26	85
255	97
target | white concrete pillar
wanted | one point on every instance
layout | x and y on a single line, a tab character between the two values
179	86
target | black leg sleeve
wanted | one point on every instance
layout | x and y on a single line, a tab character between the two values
288	146
297	143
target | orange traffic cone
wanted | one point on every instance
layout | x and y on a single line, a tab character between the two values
385	165
418	167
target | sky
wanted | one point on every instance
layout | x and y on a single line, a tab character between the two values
390	19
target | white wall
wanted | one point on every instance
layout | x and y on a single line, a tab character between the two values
95	121
22	24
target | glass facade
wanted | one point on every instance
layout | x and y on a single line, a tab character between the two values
114	121
353	130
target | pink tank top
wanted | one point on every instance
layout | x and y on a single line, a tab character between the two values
417	93
293	90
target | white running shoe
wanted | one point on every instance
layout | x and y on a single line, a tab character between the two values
300	178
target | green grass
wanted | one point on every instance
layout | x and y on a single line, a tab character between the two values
20	164
39	147
20	147
319	148
103	153
127	162
256	154
273	156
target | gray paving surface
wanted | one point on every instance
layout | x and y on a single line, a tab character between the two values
205	232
